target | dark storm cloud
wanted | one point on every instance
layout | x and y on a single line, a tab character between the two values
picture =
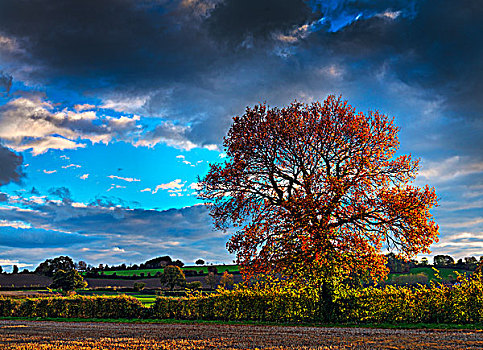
122	42
5	82
10	166
201	62
236	22
437	49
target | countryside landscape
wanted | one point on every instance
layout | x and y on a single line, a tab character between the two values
225	174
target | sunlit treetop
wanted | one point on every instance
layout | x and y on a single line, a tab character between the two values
318	187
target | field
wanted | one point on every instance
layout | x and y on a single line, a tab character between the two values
443	272
204	269
43	335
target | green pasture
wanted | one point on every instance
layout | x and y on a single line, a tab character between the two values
145	299
220	268
444	273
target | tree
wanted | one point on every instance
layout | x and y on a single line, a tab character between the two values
200	262
68	280
173	276
195	285
50	266
227	279
316	190
1	269
210	280
81	266
178	263
139	286
158	262
15	269
443	260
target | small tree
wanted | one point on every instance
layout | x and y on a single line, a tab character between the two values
50	266
226	280
200	262
443	260
68	280
173	276
195	285
210	280
1	269
139	286
15	269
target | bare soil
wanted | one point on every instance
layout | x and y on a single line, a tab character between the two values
28	335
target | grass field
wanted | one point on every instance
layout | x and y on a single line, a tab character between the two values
443	272
146	299
220	268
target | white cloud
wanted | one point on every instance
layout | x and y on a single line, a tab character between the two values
147	189
172	187
124	104
84	107
449	169
128	179
34	123
194	186
50	171
113	186
42	145
84	177
71	166
8	262
15	224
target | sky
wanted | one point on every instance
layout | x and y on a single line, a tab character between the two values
110	110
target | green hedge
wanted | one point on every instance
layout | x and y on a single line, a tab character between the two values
436	303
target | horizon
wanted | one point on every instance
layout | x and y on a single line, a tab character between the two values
107	120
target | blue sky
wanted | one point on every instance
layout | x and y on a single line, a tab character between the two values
110	110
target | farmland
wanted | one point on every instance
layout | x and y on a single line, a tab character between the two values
153	272
26	335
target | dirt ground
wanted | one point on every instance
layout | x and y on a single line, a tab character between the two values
27	335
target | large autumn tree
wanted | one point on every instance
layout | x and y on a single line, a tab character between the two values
318	190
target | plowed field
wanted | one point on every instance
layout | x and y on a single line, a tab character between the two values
30	335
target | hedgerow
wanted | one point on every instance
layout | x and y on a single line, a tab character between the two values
278	302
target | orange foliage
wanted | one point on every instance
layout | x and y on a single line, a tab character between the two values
318	186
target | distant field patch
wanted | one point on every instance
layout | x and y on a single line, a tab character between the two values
153	272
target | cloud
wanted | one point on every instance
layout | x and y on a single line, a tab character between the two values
128	179
10	166
84	107
5	81
172	187
71	166
114	186
84	177
8	262
49	171
99	227
450	169
31	122
62	193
